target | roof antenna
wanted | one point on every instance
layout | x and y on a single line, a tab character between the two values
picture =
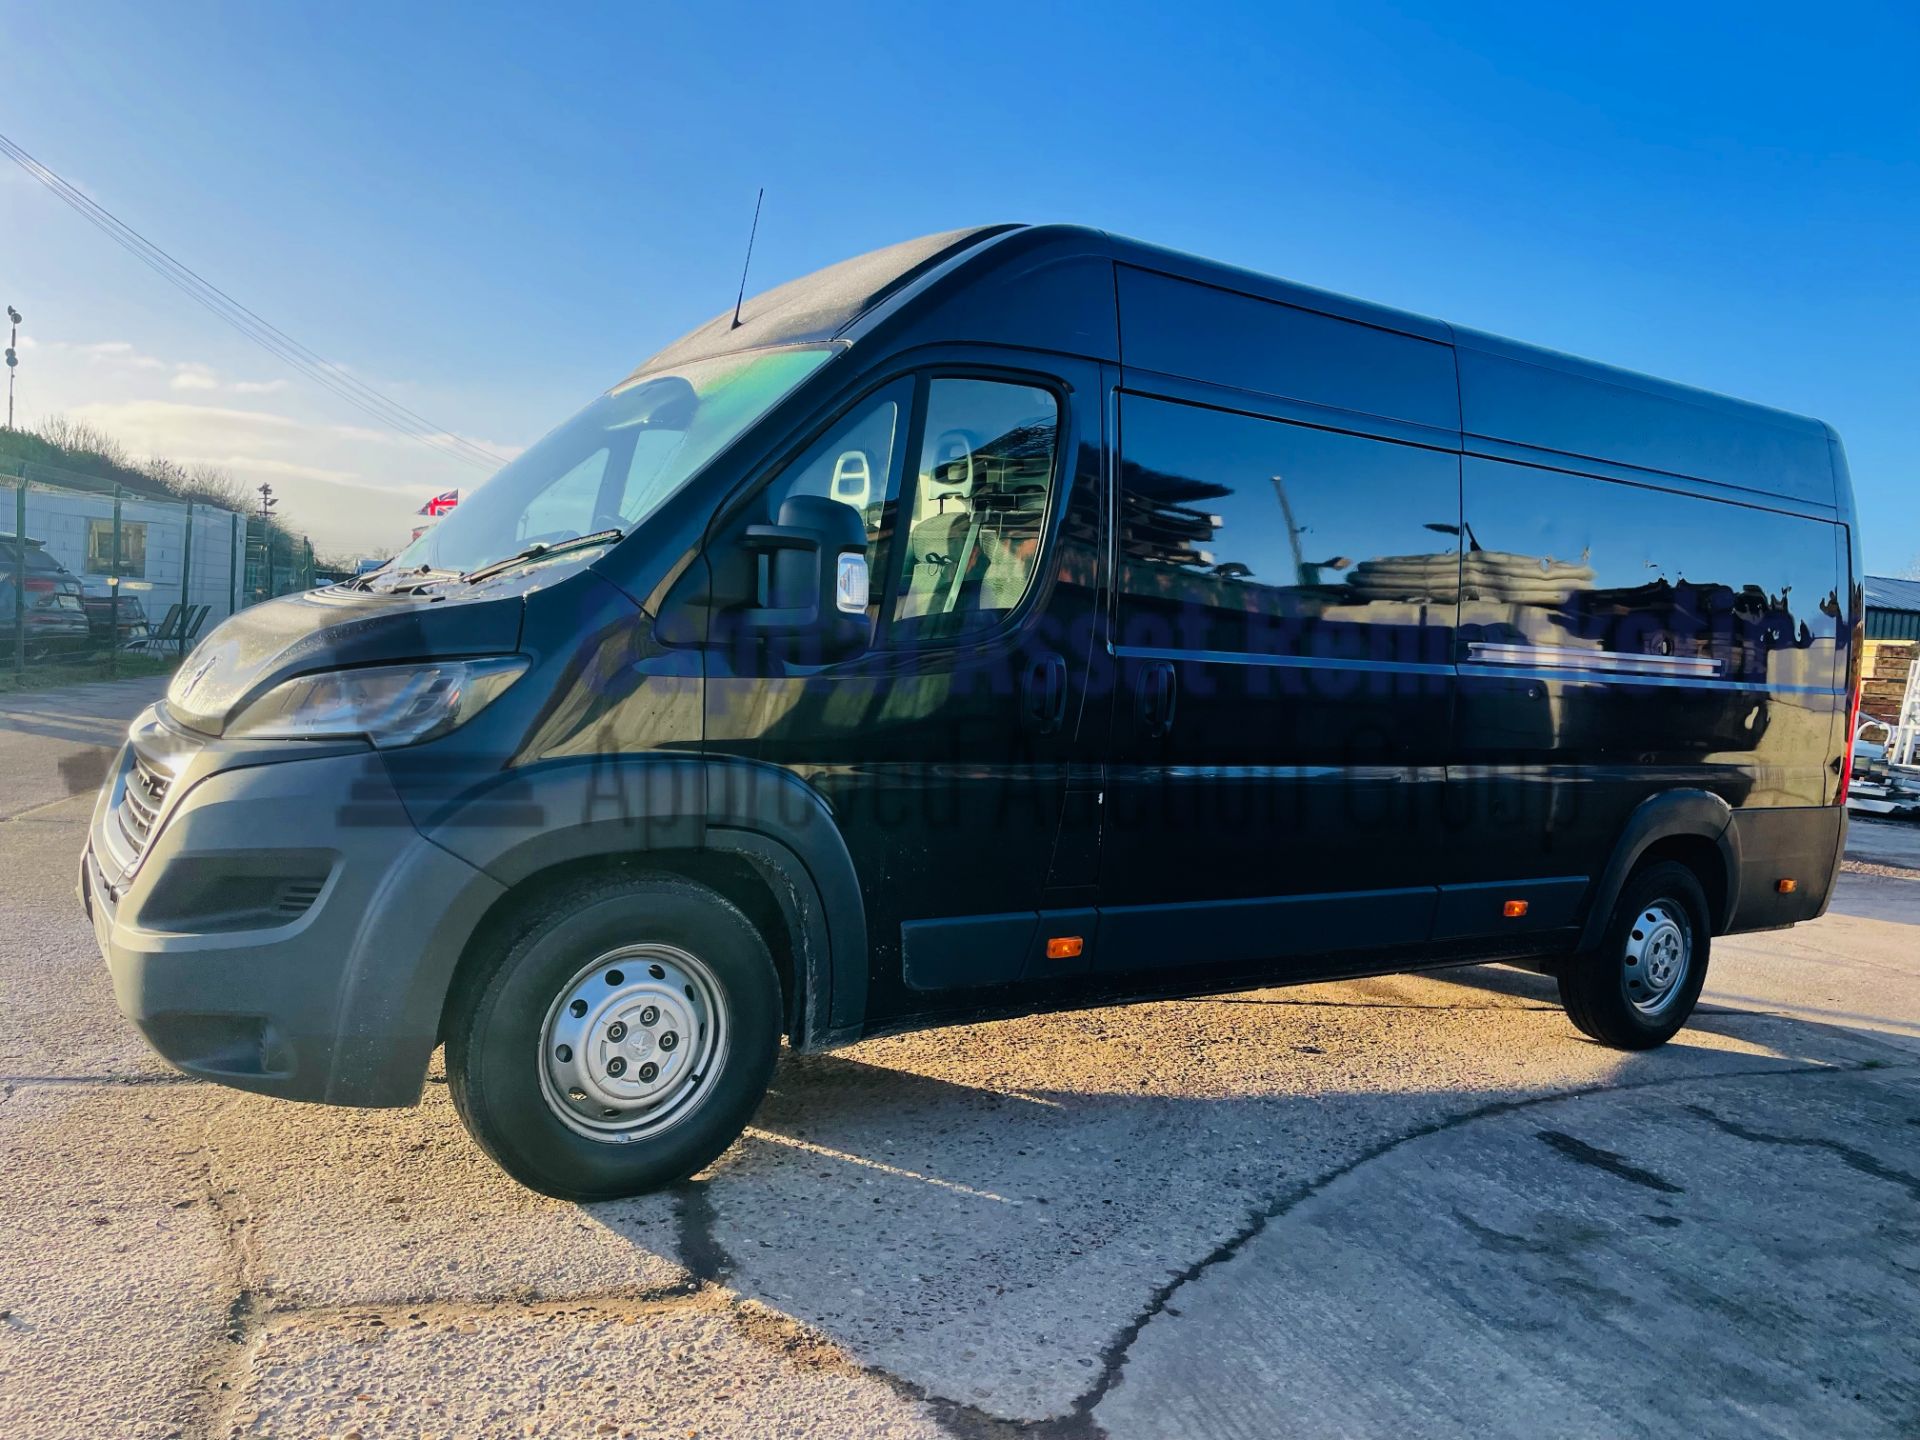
740	299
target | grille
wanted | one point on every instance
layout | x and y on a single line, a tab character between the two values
146	792
296	897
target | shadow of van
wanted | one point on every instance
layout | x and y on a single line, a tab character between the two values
993	1217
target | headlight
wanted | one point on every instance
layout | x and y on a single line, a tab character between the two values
388	704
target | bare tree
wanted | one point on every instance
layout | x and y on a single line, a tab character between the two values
212	485
76	445
83	441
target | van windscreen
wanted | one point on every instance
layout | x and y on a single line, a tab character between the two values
615	462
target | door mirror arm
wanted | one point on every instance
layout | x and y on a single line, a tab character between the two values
812	585
804	545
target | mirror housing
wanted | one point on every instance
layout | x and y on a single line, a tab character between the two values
813	583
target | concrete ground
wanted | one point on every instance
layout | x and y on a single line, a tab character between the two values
1415	1205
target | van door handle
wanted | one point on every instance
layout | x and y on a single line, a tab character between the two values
1154	696
1043	697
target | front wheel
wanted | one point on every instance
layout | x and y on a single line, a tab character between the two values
620	1042
1639	987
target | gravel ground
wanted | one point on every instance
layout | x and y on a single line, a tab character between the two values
1418	1204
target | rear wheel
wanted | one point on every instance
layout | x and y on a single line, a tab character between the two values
620	1042
1640	985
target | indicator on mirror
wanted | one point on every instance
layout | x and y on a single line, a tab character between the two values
850	591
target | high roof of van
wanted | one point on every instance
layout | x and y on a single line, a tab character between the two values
825	303
1502	391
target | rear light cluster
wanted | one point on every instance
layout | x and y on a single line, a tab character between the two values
1846	754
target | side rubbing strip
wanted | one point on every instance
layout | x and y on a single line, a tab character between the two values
1562	657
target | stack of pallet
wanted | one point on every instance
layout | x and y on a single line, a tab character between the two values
1883	677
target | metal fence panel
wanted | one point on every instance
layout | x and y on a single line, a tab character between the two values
93	573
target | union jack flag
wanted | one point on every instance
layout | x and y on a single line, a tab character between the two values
440	504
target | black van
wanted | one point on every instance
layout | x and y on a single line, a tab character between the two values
1011	619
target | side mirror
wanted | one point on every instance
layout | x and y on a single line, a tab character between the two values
813	583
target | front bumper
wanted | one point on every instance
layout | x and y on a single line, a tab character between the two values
285	928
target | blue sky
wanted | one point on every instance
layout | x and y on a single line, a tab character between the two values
493	212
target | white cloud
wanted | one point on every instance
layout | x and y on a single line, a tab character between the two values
181	374
503	453
149	425
191	375
290	469
113	352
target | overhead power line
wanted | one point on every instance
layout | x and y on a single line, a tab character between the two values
203	292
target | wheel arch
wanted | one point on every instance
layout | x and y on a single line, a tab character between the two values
1694	827
754	833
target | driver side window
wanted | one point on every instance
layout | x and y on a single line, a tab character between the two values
857	462
978	517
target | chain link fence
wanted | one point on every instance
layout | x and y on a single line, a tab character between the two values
100	579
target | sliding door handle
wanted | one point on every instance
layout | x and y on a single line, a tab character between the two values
1155	692
1043	695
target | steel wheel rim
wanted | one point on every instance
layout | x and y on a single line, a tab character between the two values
632	1043
1659	953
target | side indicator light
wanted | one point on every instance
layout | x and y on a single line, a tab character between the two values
1065	947
1514	909
1786	887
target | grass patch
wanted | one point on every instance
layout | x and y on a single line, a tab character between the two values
52	674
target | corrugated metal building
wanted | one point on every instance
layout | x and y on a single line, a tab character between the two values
1893	608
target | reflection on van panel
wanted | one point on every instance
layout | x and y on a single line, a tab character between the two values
1217	631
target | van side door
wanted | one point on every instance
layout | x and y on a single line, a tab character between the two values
946	750
1284	607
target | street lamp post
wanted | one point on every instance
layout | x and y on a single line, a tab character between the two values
13	358
267	502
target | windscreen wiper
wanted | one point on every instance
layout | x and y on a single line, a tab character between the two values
540	550
415	580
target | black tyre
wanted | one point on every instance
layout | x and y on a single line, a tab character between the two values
1639	987
620	1041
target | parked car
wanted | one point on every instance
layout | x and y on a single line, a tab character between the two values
56	623
1012	619
118	625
